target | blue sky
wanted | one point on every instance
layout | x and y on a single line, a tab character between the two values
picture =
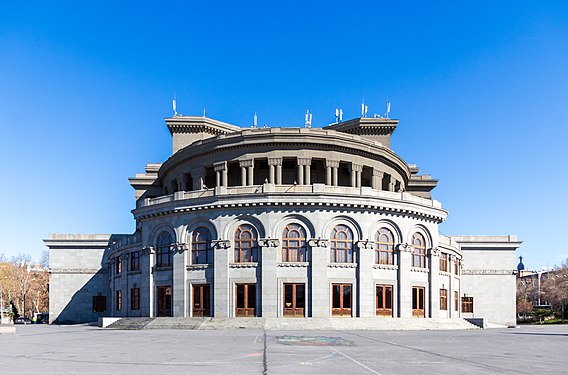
481	92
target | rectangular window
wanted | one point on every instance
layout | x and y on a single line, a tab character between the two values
118	265
456	301
456	266
99	303
118	300
444	262
467	304
135	299
135	261
443	299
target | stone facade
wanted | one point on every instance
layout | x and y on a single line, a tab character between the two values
282	222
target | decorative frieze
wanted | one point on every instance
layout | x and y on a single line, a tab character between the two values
488	272
318	242
268	242
76	271
342	265
294	264
220	244
244	265
404	247
434	252
365	244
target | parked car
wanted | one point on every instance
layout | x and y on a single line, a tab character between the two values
22	320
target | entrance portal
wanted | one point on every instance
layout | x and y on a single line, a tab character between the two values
164	301
246	300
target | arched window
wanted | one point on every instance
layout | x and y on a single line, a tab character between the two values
245	244
201	246
164	249
418	251
294	243
342	244
384	247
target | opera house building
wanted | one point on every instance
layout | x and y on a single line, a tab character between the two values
283	223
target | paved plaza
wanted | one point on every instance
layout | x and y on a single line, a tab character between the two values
89	350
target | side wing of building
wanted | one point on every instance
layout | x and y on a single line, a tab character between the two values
488	277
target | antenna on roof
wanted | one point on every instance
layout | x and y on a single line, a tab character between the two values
364	109
255	121
338	114
388	108
204	112
308	119
174	106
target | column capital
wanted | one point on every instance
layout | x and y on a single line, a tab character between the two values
147	250
304	161
378	173
404	247
331	163
434	252
220	244
246	163
356	167
365	244
268	242
318	242
453	258
274	161
220	166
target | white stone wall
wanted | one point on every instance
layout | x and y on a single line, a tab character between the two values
488	275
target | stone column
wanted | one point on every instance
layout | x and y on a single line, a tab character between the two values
271	173
332	166
434	281
250	173
453	287
179	281
198	175
246	169
318	281
356	175
328	175
221	173
365	284
404	281
377	181
221	287
308	172
304	171
147	262
269	282
300	177
392	183
180	183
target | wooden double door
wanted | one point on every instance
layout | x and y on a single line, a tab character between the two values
164	295
245	305
341	300
201	304
295	300
418	301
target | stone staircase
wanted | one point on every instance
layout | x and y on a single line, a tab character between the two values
295	324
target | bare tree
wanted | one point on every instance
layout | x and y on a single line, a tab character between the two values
554	286
24	285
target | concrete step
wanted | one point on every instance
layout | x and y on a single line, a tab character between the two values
131	323
297	324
